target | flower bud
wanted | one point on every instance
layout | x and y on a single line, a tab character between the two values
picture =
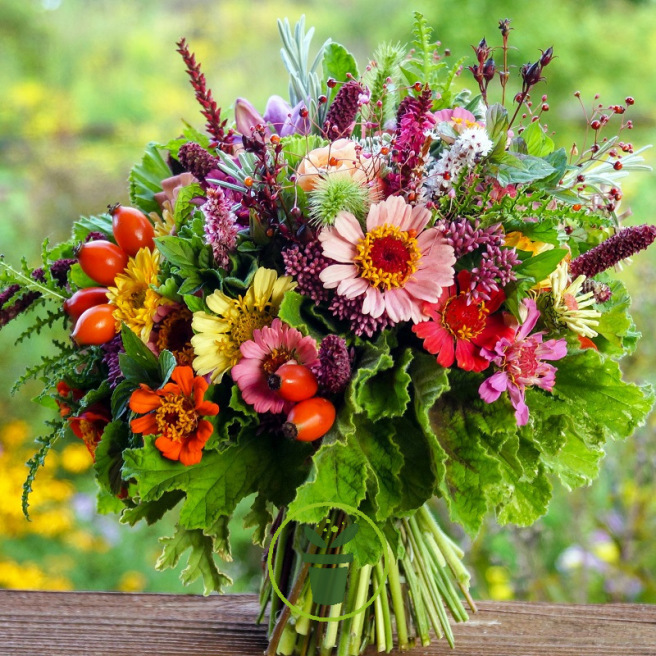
489	69
547	56
246	117
277	112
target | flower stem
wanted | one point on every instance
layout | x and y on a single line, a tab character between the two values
364	580
278	559
387	618
330	638
345	633
394	580
421	620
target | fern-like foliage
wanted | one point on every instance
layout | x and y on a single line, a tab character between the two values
424	67
58	430
40	322
388	58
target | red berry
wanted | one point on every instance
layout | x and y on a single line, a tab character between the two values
595	125
629	100
293	382
309	420
617	166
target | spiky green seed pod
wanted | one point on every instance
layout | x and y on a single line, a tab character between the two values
338	193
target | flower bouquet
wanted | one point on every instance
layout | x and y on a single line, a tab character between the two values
383	291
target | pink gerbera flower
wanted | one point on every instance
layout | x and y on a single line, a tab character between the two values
521	365
459	326
397	264
270	348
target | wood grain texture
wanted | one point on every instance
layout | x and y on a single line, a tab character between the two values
104	624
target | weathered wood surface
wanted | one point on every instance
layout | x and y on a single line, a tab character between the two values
95	624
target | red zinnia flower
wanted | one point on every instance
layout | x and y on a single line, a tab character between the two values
459	326
90	425
175	414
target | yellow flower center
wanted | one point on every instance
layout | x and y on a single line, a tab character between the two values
387	256
176	417
464	318
245	322
275	359
138	296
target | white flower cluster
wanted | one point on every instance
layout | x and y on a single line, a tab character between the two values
467	151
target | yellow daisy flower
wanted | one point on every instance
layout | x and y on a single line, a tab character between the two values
521	242
163	224
136	302
219	336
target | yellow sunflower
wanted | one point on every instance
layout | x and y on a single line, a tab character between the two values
219	336
136	302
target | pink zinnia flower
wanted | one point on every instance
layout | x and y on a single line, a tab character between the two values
397	264
521	364
459	326
270	348
458	116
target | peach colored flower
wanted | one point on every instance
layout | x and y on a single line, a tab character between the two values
340	157
397	264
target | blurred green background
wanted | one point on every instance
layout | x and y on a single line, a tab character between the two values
86	84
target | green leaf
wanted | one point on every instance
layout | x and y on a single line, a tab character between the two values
86	224
593	385
375	440
558	160
146	179
166	365
542	265
137	350
336	475
296	146
201	559
618	334
109	456
152	511
337	62
177	251
497	122
386	394
184	207
79	278
295	311
259	517
430	381
537	142
195	303
528	501
515	168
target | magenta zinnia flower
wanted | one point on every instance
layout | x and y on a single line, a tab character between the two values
270	348
521	364
397	264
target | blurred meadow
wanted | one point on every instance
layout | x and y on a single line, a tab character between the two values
86	84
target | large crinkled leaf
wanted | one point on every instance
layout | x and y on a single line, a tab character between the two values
593	388
385	463
339	473
618	334
386	392
109	456
152	511
259	518
429	381
201	559
528	499
418	475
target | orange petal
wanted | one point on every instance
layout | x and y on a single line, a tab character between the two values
170	388
146	425
168	447
200	387
144	400
189	456
203	432
207	409
184	376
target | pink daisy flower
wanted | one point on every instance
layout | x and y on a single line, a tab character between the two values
397	264
521	364
271	347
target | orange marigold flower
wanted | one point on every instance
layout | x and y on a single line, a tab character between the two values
90	425
175	414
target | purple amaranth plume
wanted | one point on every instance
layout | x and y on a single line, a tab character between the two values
196	160
215	126
333	369
465	236
496	269
340	119
111	351
625	243
59	270
350	310
304	265
220	226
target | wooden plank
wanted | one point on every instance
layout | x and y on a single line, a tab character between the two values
99	624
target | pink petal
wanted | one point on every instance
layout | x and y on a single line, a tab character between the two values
374	303
337	248
424	288
334	274
533	314
348	227
352	287
491	389
419	219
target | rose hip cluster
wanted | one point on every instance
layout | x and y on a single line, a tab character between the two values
312	416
